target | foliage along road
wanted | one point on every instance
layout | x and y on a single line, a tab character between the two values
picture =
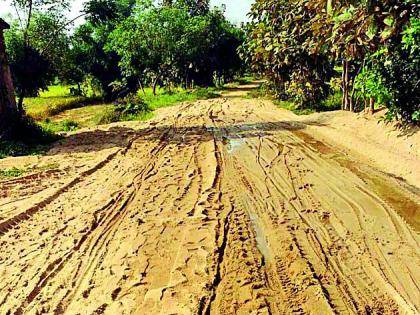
224	206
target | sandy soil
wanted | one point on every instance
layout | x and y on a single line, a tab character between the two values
225	206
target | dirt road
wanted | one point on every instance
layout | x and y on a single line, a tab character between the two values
224	206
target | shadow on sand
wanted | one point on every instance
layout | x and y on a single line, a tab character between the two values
97	140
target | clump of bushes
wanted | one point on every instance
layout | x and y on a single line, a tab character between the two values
129	107
61	126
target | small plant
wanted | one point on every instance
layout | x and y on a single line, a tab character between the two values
70	125
61	126
131	107
12	172
132	104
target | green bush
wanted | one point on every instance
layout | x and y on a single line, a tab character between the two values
132	104
131	107
12	172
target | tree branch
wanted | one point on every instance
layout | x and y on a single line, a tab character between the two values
53	37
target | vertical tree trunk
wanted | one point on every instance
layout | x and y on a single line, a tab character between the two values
155	85
21	97
343	85
141	86
372	105
8	111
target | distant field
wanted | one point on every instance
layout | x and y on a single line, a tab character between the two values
57	99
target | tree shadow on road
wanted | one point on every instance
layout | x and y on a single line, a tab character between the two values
99	139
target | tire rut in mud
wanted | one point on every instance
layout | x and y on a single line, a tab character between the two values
222	207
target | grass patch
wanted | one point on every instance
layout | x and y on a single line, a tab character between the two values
244	80
59	111
28	139
14	148
18	172
176	96
59	126
289	105
152	102
333	102
11	173
55	100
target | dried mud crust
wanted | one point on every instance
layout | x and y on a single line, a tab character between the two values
225	206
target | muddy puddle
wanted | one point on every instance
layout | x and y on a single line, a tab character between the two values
233	145
260	237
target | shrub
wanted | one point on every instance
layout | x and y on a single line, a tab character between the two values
130	107
132	104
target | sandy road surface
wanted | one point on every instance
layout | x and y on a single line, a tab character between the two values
225	206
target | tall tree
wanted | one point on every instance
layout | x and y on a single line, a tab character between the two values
8	109
26	10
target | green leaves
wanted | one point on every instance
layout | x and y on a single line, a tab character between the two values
176	44
298	44
389	21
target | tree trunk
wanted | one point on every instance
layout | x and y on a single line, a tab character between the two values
351	98
343	85
8	111
372	105
155	86
20	103
141	86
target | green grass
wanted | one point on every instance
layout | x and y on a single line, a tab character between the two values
18	172
55	100
162	99
176	96
12	172
245	80
289	105
59	126
12	148
333	102
56	91
58	111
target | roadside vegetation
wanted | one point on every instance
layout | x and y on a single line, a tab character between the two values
27	169
266	91
353	55
56	110
131	57
126	60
